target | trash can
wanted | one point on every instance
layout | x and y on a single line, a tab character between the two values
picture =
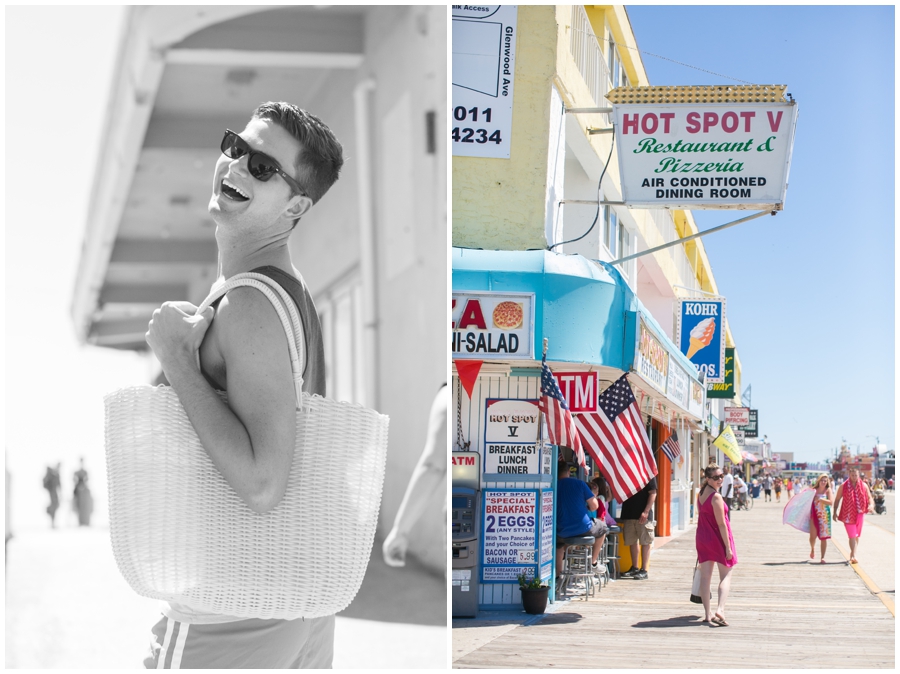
756	489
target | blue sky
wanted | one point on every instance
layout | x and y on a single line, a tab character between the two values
810	292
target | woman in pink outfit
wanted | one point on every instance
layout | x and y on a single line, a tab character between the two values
820	523
715	544
851	503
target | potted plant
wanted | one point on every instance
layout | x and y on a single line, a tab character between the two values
534	594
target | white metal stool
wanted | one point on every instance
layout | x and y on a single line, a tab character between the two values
577	565
612	552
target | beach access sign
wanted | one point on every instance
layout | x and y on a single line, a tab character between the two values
484	66
712	155
492	325
700	335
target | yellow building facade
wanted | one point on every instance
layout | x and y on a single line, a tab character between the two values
545	196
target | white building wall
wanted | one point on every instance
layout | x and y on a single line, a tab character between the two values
405	55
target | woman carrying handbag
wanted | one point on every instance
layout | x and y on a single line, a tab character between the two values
715	545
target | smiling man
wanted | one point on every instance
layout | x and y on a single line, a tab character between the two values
268	177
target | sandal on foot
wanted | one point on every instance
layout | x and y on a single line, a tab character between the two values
822	562
719	620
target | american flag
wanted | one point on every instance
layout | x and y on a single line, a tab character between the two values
560	425
671	448
615	437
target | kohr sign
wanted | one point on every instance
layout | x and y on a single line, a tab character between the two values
705	155
700	335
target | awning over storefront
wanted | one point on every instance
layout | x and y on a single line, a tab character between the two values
588	314
579	306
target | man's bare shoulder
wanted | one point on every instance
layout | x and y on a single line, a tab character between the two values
244	316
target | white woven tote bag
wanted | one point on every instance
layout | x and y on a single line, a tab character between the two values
180	532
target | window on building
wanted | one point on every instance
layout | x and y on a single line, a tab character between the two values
625	249
340	313
610	230
613	58
617	74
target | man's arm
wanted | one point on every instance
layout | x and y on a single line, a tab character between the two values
427	475
250	439
837	501
651	499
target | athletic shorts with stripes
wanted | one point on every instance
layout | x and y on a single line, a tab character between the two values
244	644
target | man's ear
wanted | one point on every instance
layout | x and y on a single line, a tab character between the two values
298	206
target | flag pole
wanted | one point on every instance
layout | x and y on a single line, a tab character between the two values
540	437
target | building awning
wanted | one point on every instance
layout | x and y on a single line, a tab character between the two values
579	306
590	317
184	74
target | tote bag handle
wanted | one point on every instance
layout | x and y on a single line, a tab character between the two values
287	313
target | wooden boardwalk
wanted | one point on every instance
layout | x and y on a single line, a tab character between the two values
783	612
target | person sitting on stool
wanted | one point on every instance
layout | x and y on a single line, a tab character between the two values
575	502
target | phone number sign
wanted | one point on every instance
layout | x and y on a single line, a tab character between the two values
484	66
509	534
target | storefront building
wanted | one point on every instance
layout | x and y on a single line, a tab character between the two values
528	229
372	251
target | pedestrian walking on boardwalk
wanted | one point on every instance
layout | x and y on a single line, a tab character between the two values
82	500
715	545
821	516
51	484
727	487
851	503
777	490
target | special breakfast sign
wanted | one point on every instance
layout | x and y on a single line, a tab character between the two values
695	154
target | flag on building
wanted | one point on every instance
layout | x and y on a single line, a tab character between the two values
671	448
615	437
560	425
728	444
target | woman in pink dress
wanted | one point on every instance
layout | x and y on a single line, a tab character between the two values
715	544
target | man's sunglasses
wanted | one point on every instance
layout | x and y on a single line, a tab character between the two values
261	166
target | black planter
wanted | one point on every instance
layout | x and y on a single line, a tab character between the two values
535	601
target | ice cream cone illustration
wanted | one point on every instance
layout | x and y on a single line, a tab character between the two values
701	335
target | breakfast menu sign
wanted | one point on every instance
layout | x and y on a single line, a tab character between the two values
492	325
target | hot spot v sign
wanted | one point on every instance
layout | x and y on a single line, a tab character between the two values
712	155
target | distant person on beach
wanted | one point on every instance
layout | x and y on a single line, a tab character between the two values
778	485
82	501
821	516
425	480
51	484
715	545
851	503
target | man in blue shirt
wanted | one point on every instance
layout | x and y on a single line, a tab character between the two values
574	503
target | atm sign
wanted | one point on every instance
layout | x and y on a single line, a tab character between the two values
579	389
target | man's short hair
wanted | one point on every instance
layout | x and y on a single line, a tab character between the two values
321	157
